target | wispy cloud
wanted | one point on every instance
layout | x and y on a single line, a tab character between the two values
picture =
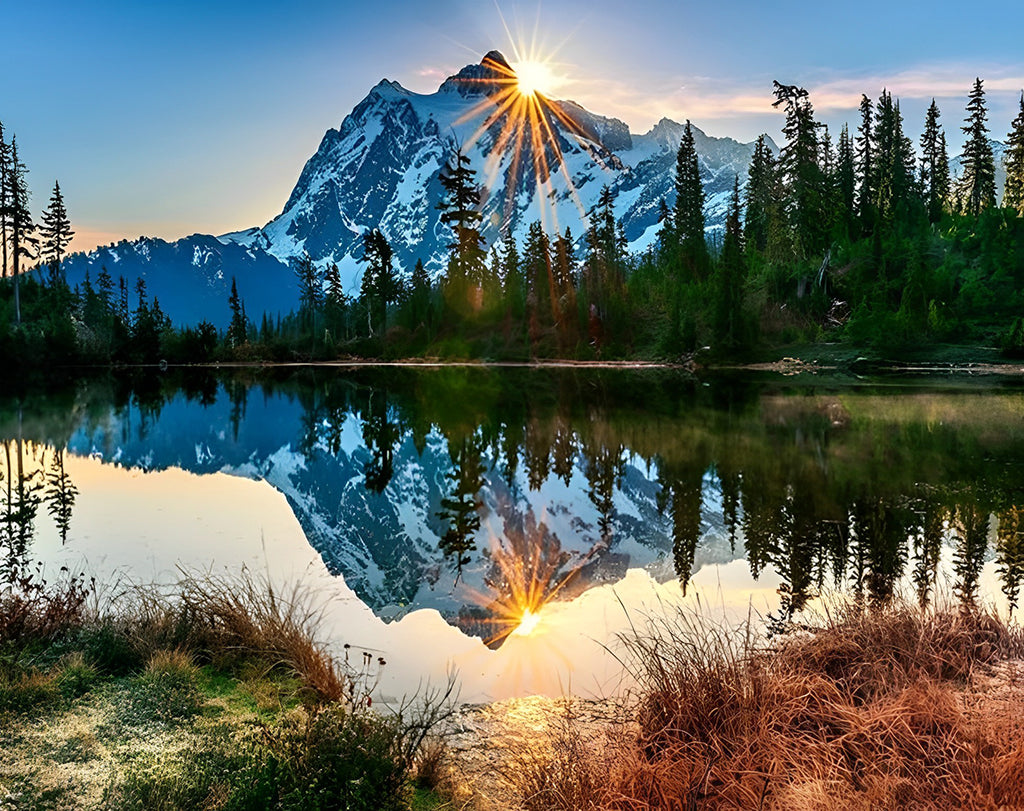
925	82
703	99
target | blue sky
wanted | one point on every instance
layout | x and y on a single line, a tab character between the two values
167	119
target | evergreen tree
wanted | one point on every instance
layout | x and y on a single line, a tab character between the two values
460	211
760	195
893	170
865	166
934	165
845	181
238	329
380	286
5	197
804	182
978	183
56	231
335	301
539	278
335	293
688	214
22	228
419	299
311	288
732	272
1013	196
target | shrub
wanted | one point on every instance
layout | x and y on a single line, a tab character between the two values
75	675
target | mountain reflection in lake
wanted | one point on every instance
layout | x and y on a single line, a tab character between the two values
490	494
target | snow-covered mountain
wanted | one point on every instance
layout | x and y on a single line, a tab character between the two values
380	169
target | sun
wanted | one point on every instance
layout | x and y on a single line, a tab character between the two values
527	624
533	77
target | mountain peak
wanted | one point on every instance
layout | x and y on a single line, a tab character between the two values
482	79
496	58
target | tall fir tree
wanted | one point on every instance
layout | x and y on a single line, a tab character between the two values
419	298
55	231
5	197
380	286
541	295
978	182
760	195
22	229
934	165
460	211
804	183
688	215
512	281
865	166
894	160
732	272
845	182
1013	194
238	329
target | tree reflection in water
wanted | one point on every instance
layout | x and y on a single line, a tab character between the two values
859	490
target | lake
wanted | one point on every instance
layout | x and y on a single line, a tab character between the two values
510	523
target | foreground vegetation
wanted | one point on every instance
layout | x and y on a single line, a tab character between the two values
215	694
868	708
219	696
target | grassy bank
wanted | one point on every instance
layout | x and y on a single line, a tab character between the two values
867	710
213	694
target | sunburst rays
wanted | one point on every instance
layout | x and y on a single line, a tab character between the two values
528	571
524	124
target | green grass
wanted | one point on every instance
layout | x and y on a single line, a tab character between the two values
217	697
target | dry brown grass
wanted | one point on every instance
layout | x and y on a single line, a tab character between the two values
865	712
237	620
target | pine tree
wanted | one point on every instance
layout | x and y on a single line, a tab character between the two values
335	292
5	196
541	295
22	228
845	181
1013	196
934	165
56	231
865	166
380	286
893	170
460	212
688	214
804	183
512	281
238	329
978	183
311	288
732	273
760	195
419	299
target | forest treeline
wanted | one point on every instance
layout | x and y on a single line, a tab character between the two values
861	238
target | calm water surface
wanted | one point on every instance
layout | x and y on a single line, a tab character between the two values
510	523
